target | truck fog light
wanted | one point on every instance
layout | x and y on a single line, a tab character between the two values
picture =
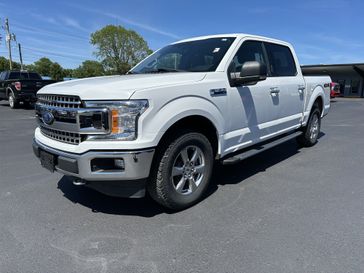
119	163
107	165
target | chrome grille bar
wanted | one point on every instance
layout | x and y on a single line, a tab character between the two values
67	137
67	120
60	101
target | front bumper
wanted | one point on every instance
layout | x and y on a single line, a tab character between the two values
24	96
137	164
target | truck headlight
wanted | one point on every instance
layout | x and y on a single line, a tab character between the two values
123	118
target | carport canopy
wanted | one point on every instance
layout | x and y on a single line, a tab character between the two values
348	69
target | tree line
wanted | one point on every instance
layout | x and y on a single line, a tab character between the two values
117	50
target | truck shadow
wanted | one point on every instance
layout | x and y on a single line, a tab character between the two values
99	202
20	107
146	207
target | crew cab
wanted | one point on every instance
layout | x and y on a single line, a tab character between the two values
161	128
20	86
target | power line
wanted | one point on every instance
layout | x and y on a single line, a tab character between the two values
54	34
64	55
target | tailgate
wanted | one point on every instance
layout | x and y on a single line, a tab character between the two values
32	86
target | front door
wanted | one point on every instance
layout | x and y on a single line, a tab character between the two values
254	108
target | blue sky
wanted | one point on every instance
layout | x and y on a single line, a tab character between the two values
322	31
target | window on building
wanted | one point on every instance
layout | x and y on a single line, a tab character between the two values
354	89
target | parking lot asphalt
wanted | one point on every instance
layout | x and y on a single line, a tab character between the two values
288	209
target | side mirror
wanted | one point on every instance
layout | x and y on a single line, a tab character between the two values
251	73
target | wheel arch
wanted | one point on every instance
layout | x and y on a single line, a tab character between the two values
8	91
195	123
190	112
317	96
320	102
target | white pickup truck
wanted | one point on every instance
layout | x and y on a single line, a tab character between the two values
190	104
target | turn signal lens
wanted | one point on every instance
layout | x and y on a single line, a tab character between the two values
116	122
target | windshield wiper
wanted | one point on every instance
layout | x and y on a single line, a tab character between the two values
164	70
131	73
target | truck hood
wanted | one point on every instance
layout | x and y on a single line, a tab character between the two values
119	87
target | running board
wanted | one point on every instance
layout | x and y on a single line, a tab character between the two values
256	149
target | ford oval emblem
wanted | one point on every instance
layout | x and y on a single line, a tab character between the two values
48	118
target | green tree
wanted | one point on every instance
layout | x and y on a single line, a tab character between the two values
4	64
118	48
68	73
56	72
43	66
89	69
30	67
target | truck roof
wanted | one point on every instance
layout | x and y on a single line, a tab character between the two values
236	35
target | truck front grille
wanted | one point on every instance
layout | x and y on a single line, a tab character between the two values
67	137
61	101
56	104
63	118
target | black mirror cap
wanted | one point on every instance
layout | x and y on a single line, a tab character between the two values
251	73
254	68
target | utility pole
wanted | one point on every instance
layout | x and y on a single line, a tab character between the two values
21	57
8	41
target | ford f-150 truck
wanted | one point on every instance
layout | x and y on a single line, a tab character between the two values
161	128
20	86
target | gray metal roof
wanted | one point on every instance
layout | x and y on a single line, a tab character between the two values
334	68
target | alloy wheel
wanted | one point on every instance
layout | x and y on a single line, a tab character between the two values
315	127
188	170
11	101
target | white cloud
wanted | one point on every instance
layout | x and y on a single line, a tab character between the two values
40	17
43	32
128	21
74	24
342	42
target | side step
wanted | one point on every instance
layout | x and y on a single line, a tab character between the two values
256	149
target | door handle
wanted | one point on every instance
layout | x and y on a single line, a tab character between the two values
274	90
301	88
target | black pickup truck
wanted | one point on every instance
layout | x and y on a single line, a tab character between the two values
20	86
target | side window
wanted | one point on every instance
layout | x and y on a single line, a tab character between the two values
14	75
249	51
280	60
169	61
2	76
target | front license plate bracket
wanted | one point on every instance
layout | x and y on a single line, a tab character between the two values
47	160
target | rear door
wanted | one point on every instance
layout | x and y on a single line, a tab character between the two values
289	86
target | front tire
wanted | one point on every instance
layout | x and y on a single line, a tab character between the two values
182	171
13	102
311	131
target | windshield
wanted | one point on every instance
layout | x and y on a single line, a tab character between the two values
195	56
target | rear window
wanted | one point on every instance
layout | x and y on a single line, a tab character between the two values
34	76
16	75
280	60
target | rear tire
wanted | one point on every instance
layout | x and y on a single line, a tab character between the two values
182	171
311	131
13	102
